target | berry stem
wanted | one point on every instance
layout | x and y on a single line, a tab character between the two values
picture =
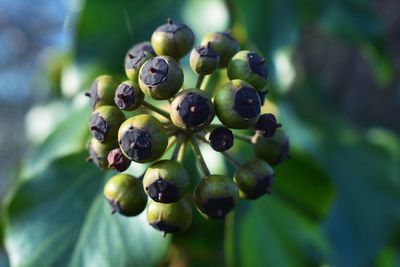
156	109
199	82
181	154
231	159
242	137
171	143
200	160
179	142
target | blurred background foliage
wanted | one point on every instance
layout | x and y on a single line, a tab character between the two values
335	86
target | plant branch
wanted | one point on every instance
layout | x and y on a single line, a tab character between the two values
200	160
156	109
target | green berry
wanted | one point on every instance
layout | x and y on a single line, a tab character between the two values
204	60
104	124
125	195
224	44
98	153
142	138
272	150
250	67
133	63
192	110
161	77
128	96
102	91
215	196
237	104
172	39
166	181
171	217
254	179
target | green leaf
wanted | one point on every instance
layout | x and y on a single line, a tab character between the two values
69	136
58	218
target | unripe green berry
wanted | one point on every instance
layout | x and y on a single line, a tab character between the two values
161	77
142	138
104	124
237	104
215	196
204	60
125	194
254	179
250	67
98	153
166	181
192	110
102	91
171	217
272	150
172	39
133	63
224	44
128	96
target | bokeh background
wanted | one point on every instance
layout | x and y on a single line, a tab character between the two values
335	86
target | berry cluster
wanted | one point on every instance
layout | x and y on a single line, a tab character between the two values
154	72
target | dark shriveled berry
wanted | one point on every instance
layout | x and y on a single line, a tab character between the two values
250	67
104	123
237	104
216	196
142	138
169	217
166	181
221	139
267	125
161	77
192	110
128	96
254	179
125	195
172	39
117	160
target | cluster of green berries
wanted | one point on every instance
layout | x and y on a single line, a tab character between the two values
154	72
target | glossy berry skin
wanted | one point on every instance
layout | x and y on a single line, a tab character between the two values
161	77
254	179
204	60
215	196
142	138
250	67
272	150
125	195
128	96
166	181
237	104
117	161
170	217
192	110
224	44
172	39
102	91
221	139
104	123
98	153
133	62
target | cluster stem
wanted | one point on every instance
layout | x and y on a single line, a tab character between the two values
156	109
201	162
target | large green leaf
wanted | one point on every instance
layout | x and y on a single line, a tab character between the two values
58	218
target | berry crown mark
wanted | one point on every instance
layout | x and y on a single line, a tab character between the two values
154	80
